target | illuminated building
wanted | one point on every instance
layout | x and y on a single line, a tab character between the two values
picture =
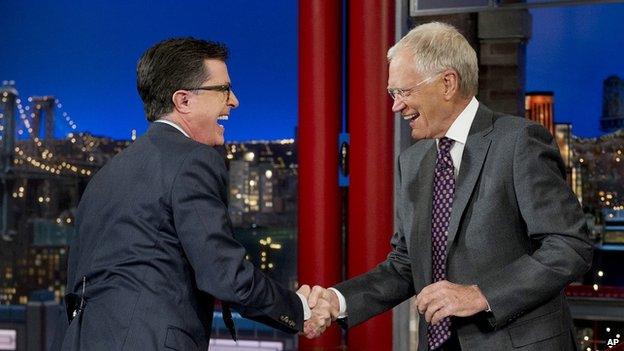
238	202
266	187
563	135
271	249
539	108
263	183
576	182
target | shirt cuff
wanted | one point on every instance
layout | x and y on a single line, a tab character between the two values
307	313
342	302
488	309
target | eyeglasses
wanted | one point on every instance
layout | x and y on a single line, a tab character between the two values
397	93
221	88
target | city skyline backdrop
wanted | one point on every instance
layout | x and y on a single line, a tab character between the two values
84	53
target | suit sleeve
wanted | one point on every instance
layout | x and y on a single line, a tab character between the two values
199	203
556	227
381	288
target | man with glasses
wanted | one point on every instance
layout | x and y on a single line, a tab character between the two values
154	244
489	233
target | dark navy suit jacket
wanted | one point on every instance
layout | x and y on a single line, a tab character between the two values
154	243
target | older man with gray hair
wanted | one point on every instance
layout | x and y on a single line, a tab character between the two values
489	233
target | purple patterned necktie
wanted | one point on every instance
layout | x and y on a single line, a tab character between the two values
443	189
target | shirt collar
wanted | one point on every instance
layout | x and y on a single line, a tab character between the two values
461	126
173	125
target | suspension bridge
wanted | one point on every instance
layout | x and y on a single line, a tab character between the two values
45	160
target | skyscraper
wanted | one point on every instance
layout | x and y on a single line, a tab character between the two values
539	107
612	104
263	183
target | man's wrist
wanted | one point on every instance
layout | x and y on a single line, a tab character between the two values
342	302
485	304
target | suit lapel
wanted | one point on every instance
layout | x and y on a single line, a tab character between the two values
421	191
475	151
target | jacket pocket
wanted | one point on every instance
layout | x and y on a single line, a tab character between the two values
178	339
537	329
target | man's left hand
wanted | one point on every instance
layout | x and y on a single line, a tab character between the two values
443	299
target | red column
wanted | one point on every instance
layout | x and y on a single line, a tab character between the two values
371	34
319	125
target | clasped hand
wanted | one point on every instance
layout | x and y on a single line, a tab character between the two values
444	299
324	306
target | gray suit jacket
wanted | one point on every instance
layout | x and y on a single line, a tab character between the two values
155	246
516	230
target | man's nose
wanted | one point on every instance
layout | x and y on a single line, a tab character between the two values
233	101
398	105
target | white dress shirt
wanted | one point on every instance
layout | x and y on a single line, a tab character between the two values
458	131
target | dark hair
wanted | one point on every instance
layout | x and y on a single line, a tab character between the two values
171	65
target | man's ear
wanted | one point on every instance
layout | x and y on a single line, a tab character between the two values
450	79
181	101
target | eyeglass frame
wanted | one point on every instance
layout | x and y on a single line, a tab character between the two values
402	93
220	88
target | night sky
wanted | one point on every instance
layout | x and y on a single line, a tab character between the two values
572	51
85	53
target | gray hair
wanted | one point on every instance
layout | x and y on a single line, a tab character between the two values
437	46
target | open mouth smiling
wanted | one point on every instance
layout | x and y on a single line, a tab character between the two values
412	116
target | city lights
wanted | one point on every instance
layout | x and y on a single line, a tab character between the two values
249	156
48	175
262	193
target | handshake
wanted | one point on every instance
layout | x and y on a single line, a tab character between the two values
324	306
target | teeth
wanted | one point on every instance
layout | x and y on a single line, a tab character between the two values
408	117
223	117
